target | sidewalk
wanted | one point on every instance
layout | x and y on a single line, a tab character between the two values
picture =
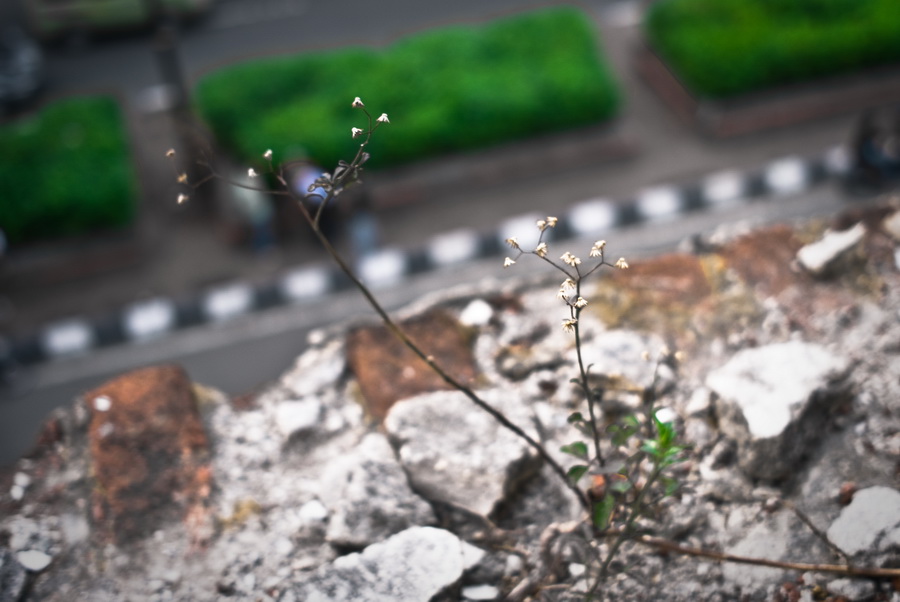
184	253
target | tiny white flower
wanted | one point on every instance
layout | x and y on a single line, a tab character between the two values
597	249
252	173
541	224
357	103
508	262
569	324
570	259
513	242
551	222
356	132
182	198
580	303
268	155
170	153
383	118
541	250
182	178
568	283
622	264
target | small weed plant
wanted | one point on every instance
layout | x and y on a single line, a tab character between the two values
622	465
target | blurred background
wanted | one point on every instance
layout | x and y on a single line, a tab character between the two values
498	109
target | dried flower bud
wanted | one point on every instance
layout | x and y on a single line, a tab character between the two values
541	250
508	262
357	103
622	264
551	222
570	259
541	224
182	178
569	324
580	303
597	249
182	198
356	132
383	118
513	242
268	155
170	153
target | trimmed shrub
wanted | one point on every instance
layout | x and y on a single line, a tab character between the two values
66	170
450	89
722	48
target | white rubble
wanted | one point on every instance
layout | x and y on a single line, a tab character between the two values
411	566
820	257
774	400
455	453
870	522
369	496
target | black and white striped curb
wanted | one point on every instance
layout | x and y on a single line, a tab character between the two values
158	317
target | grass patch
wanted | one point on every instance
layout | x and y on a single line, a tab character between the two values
446	90
722	48
66	170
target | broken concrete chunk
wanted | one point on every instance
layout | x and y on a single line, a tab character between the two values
369	496
455	453
414	565
870	523
616	355
774	401
821	257
149	451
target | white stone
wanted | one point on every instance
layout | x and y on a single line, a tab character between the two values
456	453
767	382
872	517
477	313
297	416
480	592
891	225
369	496
34	560
313	511
763	391
821	255
616	354
102	403
411	566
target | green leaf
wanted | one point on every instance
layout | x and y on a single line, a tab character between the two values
576	472
575	417
577	449
603	511
670	485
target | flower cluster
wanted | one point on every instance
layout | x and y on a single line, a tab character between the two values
570	290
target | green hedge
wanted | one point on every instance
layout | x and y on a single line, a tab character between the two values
446	90
722	48
66	170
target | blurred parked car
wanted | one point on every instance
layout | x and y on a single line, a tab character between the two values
21	68
51	20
